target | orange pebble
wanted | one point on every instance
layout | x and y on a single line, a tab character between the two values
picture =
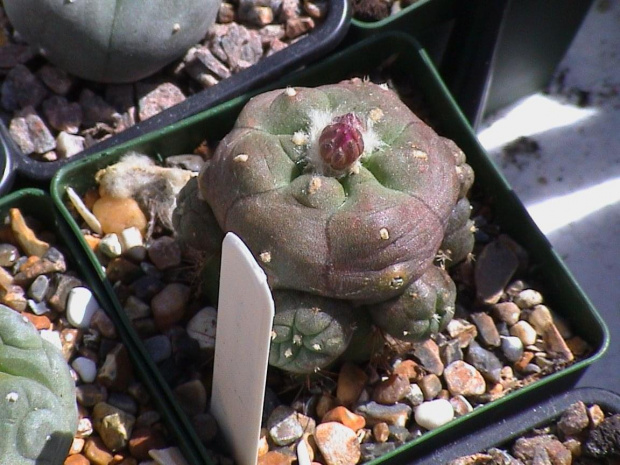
345	416
117	214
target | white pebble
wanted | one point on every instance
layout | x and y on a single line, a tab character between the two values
110	245
168	456
433	414
130	238
202	327
81	306
86	368
53	337
524	331
527	298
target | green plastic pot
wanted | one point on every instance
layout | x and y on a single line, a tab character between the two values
408	58
38	204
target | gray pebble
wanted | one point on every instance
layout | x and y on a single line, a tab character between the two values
374	450
8	255
38	308
527	298
21	89
56	79
12	55
123	401
283	426
164	252
374	413
485	361
154	99
62	115
39	288
30	133
187	162
451	351
487	331
512	348
95	109
158	347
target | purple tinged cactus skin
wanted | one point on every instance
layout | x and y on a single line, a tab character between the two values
343	195
363	236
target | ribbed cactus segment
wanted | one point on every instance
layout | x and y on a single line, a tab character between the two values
38	416
112	40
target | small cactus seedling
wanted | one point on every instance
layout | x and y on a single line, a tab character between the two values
112	40
39	414
345	195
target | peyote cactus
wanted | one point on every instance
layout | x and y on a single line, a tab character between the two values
38	417
112	40
342	192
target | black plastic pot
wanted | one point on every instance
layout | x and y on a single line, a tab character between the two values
515	425
317	44
37	204
405	58
502	51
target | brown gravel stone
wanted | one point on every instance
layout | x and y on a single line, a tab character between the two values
526	449
164	252
157	97
430	386
487	331
115	373
462	330
555	345
343	415
96	451
63	115
337	443
596	415
494	268
276	457
463	379
508	312
169	305
351	382
77	459
410	369
427	353
144	439
391	390
574	419
381	432
21	89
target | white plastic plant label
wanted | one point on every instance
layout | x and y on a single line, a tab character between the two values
244	322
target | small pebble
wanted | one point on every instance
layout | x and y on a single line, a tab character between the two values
284	426
430	386
374	413
433	414
191	396
460	405
8	255
574	419
113	425
391	390
337	443
169	305
81	306
486	362
117	214
86	368
508	312
158	347
346	417
512	348
415	396
427	353
494	268
110	246
487	331
409	369
463	379
524	331
351	382
202	327
462	330
164	252
528	298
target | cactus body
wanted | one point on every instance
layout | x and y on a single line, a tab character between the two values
112	40
342	193
39	413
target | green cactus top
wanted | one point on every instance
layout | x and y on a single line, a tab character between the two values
112	40
38	417
361	229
